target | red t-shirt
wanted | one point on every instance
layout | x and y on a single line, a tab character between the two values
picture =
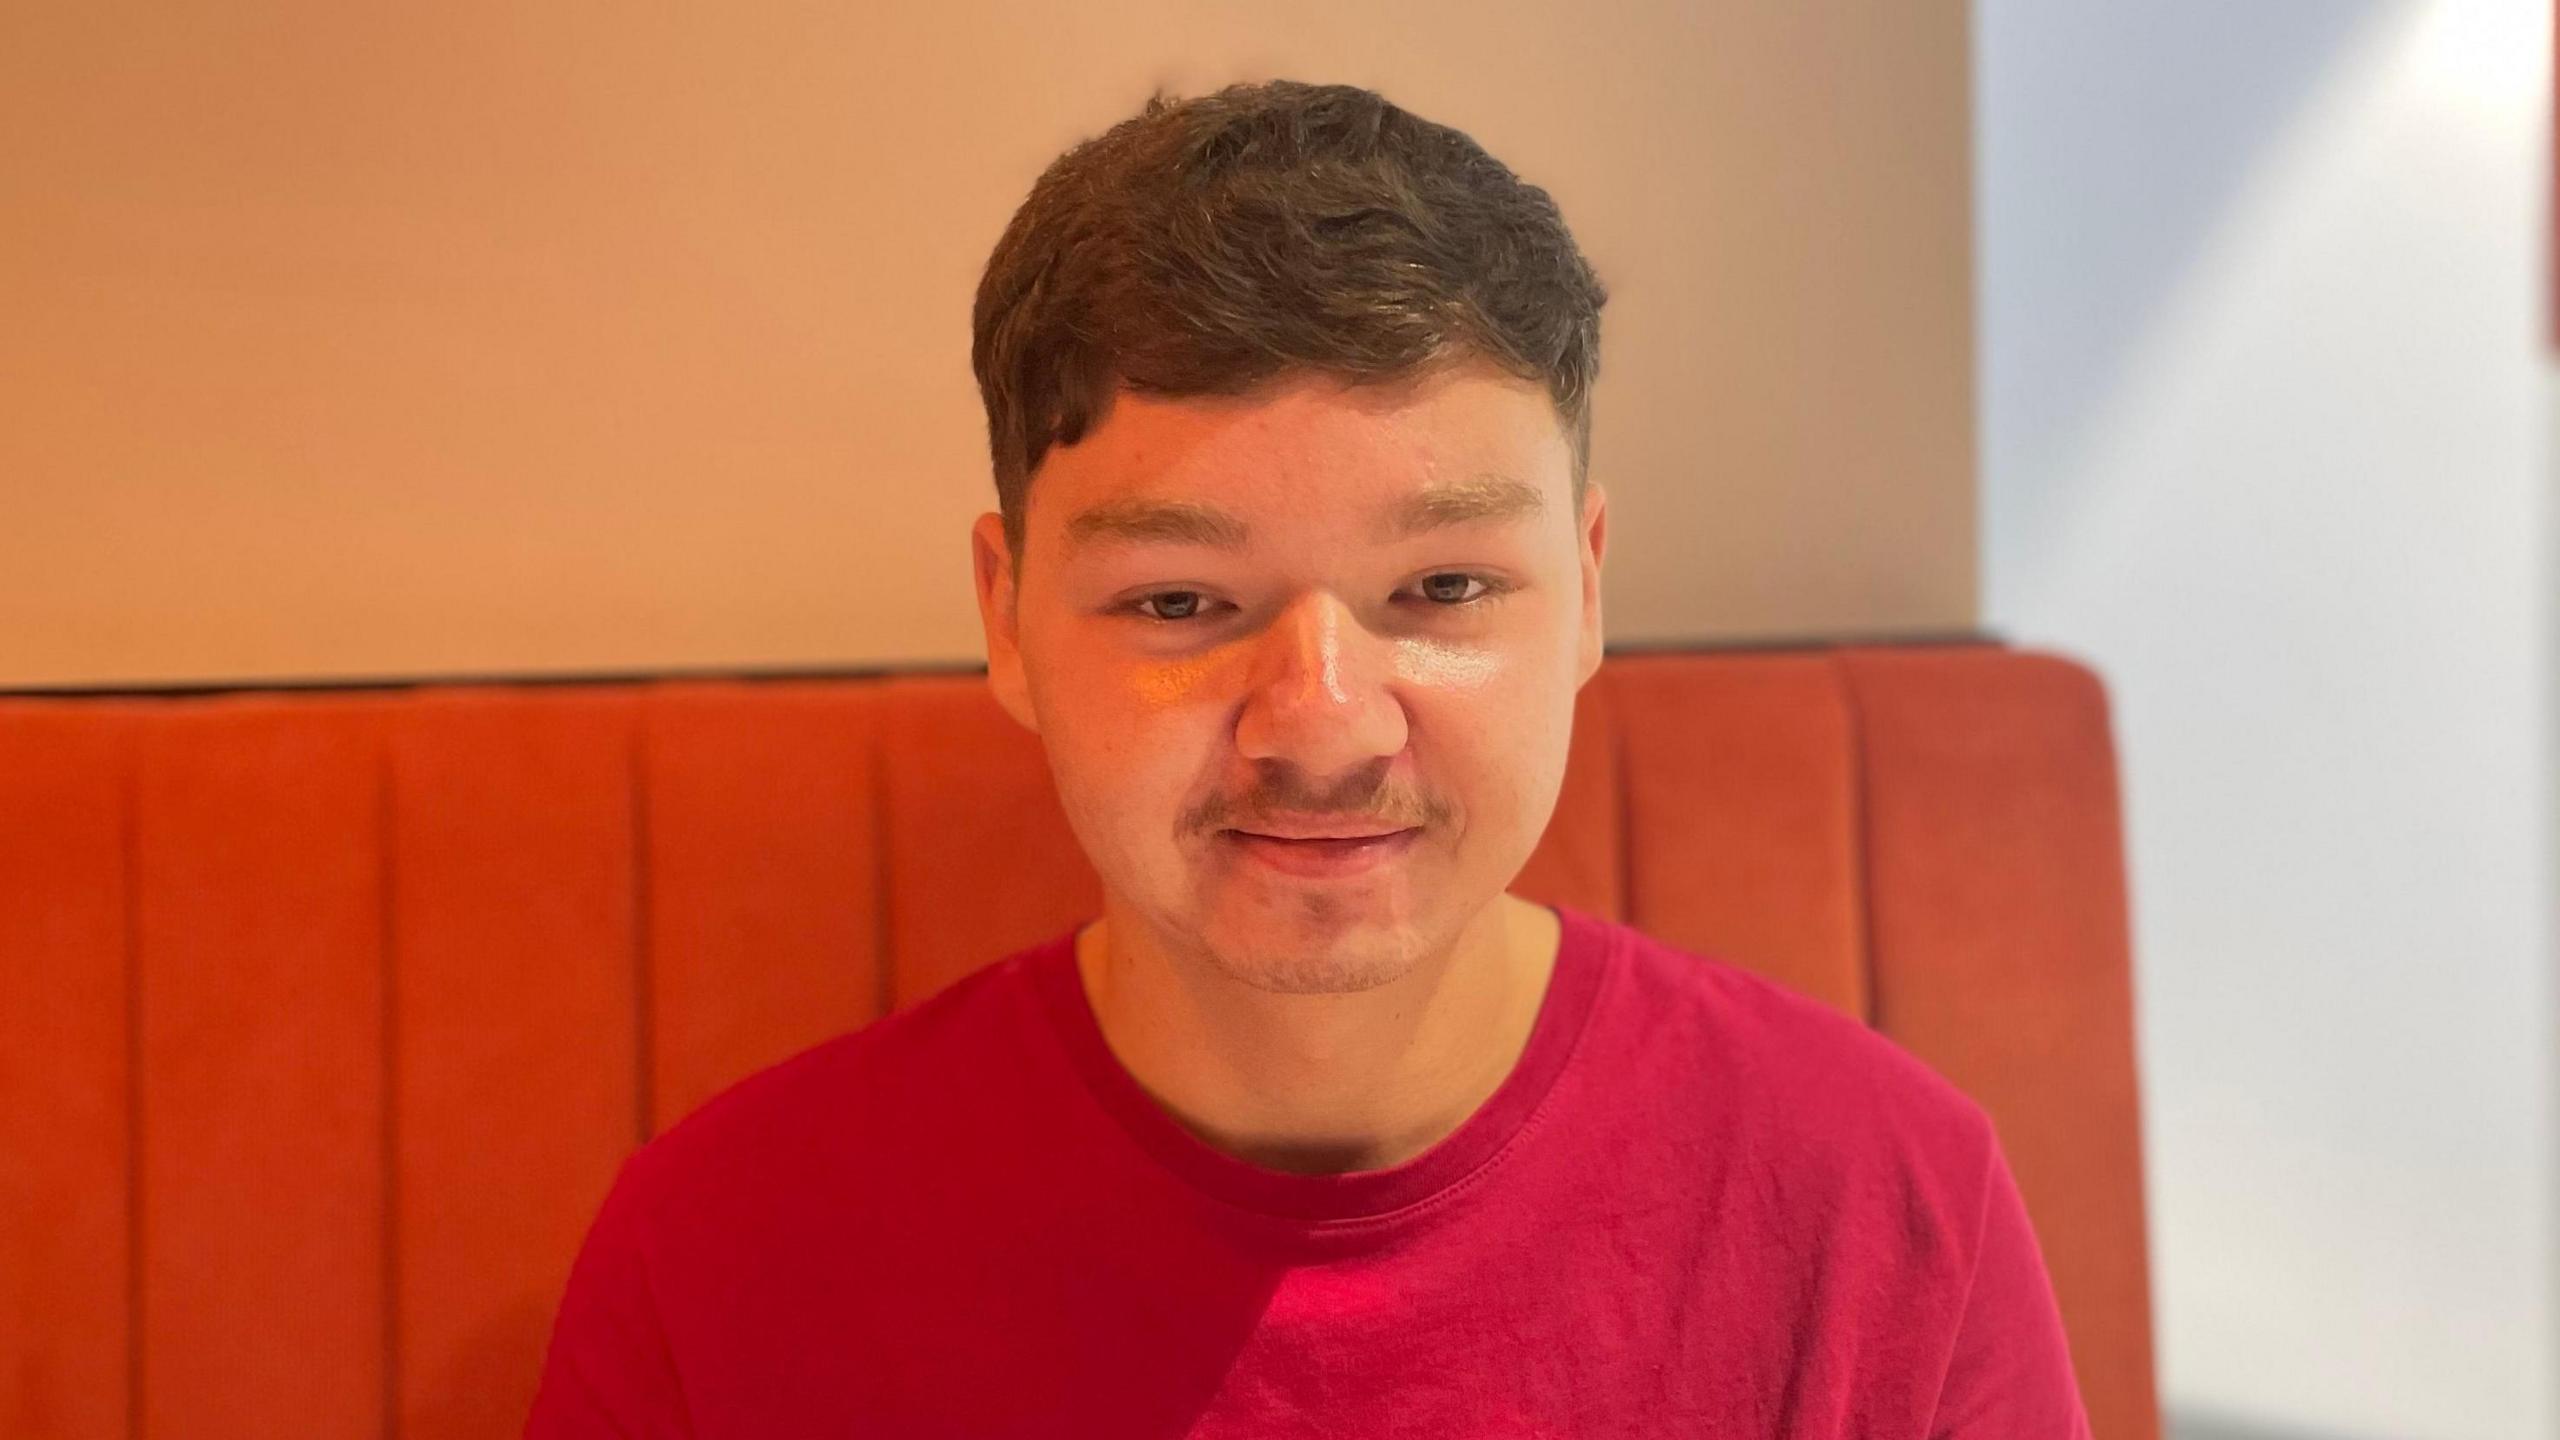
1701	1204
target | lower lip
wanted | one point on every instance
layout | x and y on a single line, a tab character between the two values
1323	859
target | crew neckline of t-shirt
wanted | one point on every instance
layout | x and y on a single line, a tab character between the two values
1583	954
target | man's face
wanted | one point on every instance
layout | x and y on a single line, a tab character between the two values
1305	661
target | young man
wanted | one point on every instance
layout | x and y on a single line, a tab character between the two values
1314	1131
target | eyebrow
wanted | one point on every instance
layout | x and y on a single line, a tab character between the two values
1464	502
1486	498
1160	522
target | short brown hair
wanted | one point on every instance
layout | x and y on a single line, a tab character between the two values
1211	245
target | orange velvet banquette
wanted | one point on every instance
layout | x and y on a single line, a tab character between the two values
326	1014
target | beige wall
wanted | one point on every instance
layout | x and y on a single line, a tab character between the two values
491	337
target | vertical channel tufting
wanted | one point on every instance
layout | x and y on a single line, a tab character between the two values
386	827
884	861
762	908
128	767
66	1116
515	1005
1861	839
1575	862
1740	837
1621	784
260	1066
985	861
644	1002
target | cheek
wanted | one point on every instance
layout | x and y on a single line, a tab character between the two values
1495	722
1161	720
1503	692
1440	665
1110	700
1130	739
1154	687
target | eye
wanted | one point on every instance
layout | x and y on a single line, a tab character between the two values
1449	589
1171	605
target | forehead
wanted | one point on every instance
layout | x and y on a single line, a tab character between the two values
1311	451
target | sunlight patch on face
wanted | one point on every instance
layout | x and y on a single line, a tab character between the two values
1166	683
1332	647
1437	663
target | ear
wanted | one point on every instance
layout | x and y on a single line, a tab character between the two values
1595	543
999	612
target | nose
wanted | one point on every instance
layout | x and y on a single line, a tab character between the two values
1318	697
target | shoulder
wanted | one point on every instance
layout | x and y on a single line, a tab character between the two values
856	1094
1794	1072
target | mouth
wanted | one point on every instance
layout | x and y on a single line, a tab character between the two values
1322	856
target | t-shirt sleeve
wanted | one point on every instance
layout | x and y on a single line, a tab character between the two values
2010	1373
609	1374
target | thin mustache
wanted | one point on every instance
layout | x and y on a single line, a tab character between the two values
1217	813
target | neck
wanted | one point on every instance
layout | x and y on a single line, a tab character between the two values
1320	1084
